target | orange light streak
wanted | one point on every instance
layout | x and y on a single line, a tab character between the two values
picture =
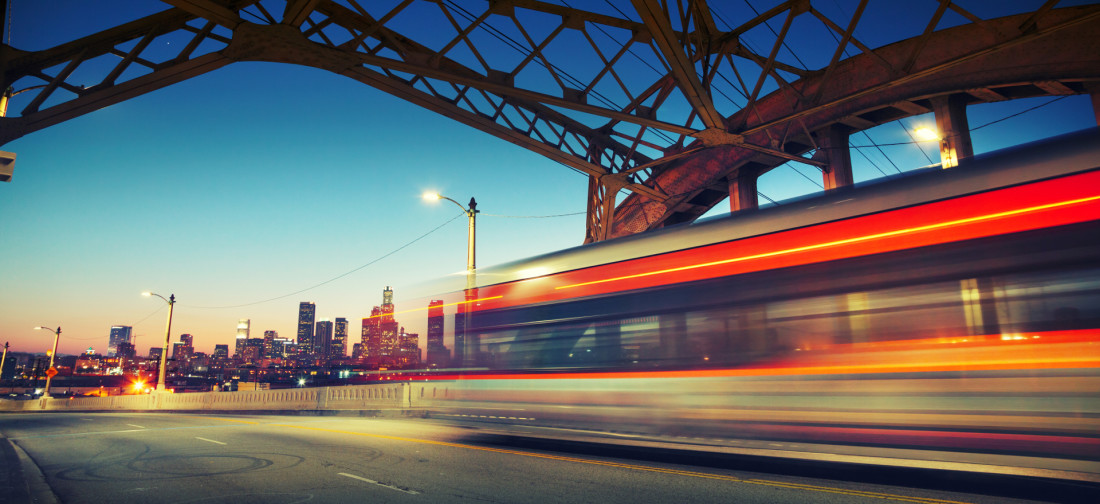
490	298
846	241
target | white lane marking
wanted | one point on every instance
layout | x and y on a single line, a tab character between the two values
391	487
138	426
209	440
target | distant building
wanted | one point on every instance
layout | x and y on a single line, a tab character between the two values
384	344
322	338
119	334
371	347
221	352
125	350
391	340
408	351
307	311
253	351
242	336
154	353
438	354
182	351
285	348
270	351
339	347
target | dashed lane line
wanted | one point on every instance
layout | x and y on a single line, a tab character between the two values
383	485
209	440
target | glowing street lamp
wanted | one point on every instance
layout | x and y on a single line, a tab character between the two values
167	330
926	134
53	354
471	239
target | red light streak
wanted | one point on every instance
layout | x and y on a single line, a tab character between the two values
846	241
410	310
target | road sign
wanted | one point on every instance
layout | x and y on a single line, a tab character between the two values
52	372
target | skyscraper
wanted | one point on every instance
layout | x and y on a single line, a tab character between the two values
119	334
183	351
371	347
322	338
438	354
221	352
339	348
270	352
242	336
306	313
390	338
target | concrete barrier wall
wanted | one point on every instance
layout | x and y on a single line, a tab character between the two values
387	397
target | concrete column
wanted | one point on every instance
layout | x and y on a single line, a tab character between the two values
954	129
742	190
833	141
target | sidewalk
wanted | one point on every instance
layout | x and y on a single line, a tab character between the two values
20	480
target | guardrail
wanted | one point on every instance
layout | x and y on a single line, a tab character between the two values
375	398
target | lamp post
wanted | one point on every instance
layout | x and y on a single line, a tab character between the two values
167	331
3	360
471	273
53	354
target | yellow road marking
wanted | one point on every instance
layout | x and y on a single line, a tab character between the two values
678	472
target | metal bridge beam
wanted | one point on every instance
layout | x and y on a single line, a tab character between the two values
989	61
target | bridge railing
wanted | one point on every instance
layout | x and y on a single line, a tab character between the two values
395	397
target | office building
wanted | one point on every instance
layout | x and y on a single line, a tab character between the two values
119	334
270	351
322	337
339	347
242	336
306	313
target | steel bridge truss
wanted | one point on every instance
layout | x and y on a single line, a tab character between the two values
676	102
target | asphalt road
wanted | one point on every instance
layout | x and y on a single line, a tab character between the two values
239	459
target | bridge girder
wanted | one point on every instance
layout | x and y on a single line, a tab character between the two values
677	140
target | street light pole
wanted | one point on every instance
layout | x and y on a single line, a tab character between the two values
3	360
53	355
471	265
167	332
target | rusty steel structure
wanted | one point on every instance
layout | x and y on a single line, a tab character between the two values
679	103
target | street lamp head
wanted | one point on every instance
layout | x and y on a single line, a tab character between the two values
431	196
146	293
926	134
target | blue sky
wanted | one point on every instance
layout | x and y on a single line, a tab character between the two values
258	180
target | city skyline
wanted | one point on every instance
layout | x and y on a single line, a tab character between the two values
338	327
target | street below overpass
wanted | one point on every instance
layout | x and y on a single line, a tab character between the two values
240	459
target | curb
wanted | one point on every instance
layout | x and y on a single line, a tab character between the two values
25	480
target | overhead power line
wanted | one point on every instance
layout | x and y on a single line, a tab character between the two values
337	277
